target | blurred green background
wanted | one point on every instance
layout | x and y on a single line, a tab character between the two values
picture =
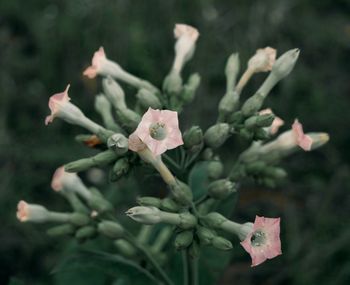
46	44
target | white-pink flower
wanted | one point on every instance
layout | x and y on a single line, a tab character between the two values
31	212
98	61
159	130
276	124
264	241
303	140
263	60
185	45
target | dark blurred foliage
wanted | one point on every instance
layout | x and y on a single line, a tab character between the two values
46	44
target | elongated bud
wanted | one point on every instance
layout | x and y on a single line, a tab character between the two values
187	221
120	169
193	138
114	93
222	188
61	230
148	99
110	229
285	63
215	169
145	215
253	105
118	143
149	201
85	232
231	71
214	220
172	83
255	167
32	213
205	235
190	88
98	202
221	243
100	159
318	139
227	105
79	219
102	104
183	240
125	248
216	135
181	192
263	60
275	172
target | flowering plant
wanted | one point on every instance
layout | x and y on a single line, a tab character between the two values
150	135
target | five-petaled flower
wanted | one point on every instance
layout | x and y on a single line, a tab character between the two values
264	241
159	131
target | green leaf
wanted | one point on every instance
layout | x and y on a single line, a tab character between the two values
198	179
93	267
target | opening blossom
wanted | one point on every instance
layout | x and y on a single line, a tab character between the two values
99	65
264	241
185	45
276	124
31	212
159	131
263	60
303	140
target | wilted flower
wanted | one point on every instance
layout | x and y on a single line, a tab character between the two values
264	241
135	144
184	48
31	212
159	130
276	124
263	60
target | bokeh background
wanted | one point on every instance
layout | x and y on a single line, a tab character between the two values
46	44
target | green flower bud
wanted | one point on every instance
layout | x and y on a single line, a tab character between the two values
216	135
128	118
114	93
220	189
246	134
190	88
118	143
193	138
215	169
83	164
259	121
285	63
172	83
110	229
181	192
205	235
183	240
255	167
208	154
169	205
79	219
253	105
228	105
235	118
221	243
149	201
99	203
145	215
102	105
261	134
148	99
120	168
213	220
187	221
61	230
125	248
318	139
85	232
275	172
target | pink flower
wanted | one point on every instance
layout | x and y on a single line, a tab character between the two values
263	60
98	60
303	140
56	102
184	48
30	212
276	124
264	241
159	130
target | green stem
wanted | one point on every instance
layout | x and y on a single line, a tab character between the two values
185	267
194	271
149	258
191	269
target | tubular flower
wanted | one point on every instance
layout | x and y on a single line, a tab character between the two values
97	65
184	48
31	212
159	130
264	241
303	140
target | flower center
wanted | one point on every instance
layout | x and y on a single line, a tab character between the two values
258	238
158	131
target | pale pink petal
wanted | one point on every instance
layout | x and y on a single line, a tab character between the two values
90	72
56	182
96	63
135	144
258	257
304	141
22	211
276	124
55	103
186	30
170	118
